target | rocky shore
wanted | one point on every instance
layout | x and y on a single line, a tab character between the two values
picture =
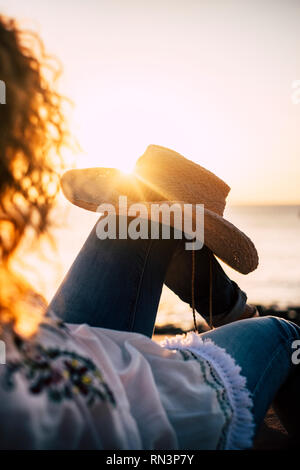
291	313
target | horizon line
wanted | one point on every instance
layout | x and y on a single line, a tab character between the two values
264	204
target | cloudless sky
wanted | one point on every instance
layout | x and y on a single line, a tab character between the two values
211	79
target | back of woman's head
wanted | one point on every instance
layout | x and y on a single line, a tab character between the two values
32	131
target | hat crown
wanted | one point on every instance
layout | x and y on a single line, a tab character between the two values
175	178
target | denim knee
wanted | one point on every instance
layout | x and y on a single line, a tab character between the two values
288	330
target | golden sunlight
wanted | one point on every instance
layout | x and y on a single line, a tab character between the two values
126	172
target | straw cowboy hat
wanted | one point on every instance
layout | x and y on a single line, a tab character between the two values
163	175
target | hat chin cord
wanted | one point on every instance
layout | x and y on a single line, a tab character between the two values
210	292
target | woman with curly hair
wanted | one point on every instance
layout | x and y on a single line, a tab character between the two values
99	381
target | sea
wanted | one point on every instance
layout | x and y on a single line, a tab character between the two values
275	231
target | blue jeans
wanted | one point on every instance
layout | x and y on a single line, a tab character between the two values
117	284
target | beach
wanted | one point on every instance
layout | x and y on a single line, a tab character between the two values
275	230
170	114
274	287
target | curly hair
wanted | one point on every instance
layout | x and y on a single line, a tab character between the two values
32	132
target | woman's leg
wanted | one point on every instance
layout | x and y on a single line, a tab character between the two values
228	300
262	347
115	284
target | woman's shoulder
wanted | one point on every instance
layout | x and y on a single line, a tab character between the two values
50	364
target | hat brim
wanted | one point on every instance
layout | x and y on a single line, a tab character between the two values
87	189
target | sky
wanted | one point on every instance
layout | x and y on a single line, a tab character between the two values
211	79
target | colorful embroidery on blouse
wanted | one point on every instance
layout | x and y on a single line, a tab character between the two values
60	373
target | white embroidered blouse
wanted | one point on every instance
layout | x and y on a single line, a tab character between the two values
80	387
